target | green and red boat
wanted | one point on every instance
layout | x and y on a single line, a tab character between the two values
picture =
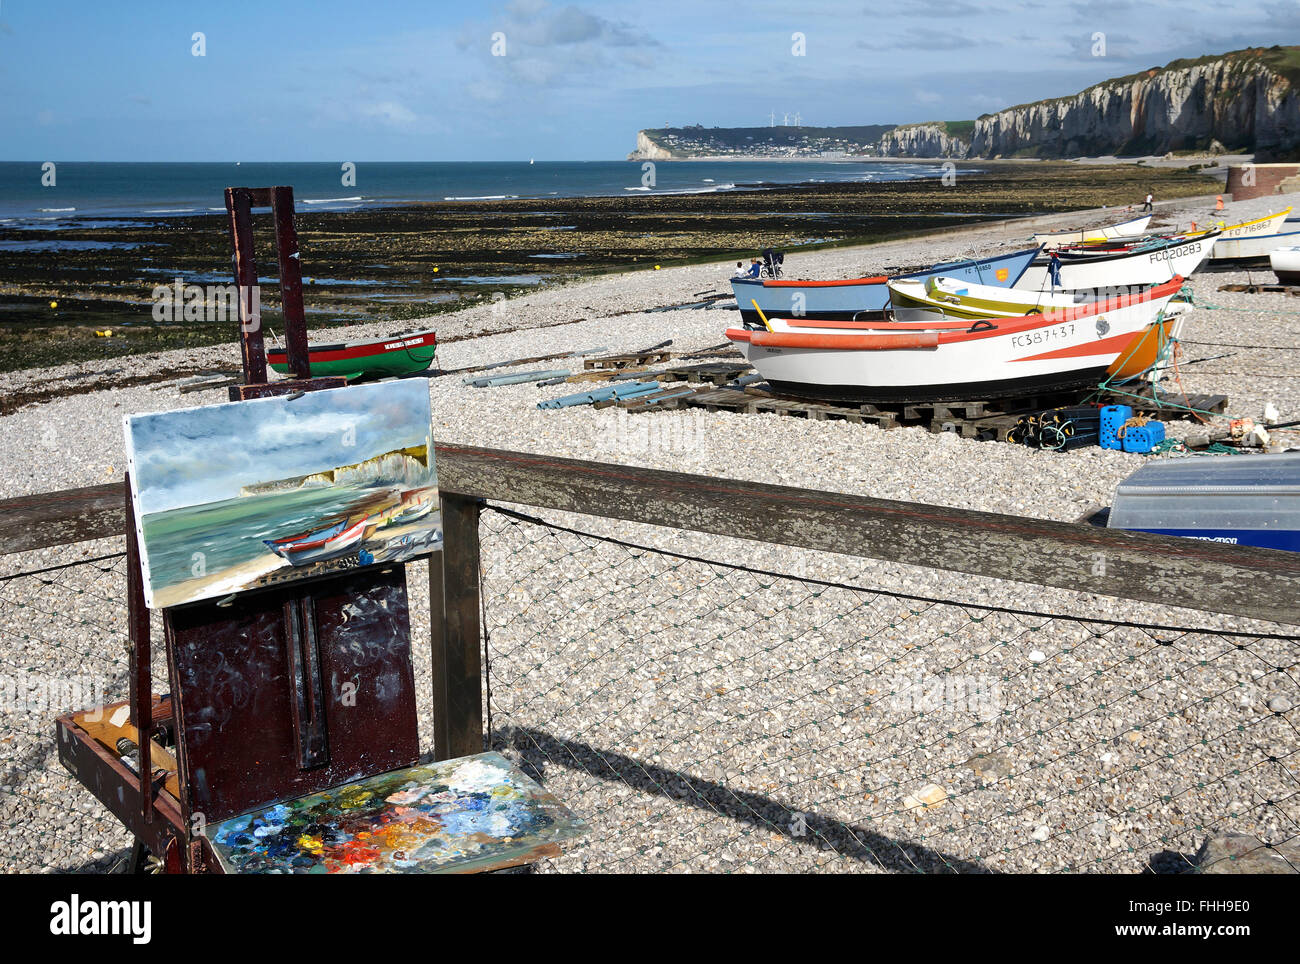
388	357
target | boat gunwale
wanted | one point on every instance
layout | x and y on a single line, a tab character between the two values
999	326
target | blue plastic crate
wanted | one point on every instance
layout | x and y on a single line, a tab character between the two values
1143	438
1113	418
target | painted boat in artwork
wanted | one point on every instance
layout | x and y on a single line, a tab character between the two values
932	361
855	297
1131	228
337	542
1151	265
400	355
323	533
1256	249
1285	263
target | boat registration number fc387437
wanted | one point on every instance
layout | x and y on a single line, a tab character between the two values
1041	335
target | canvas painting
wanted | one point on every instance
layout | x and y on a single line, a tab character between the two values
251	494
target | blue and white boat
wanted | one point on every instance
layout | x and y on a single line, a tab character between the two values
856	298
1251	250
1246	501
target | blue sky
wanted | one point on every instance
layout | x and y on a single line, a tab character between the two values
202	455
330	80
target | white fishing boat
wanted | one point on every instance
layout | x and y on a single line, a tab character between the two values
1131	228
319	546
1269	224
1285	263
1255	249
946	297
925	361
1151	264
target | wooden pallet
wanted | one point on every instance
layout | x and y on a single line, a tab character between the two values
1293	290
983	419
602	375
607	362
1169	405
716	373
756	401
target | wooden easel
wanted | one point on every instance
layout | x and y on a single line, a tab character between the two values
276	694
240	202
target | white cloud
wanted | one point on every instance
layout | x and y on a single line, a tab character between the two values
390	113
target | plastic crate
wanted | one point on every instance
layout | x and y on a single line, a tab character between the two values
1143	438
1113	418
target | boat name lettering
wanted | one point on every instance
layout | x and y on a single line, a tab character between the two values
1042	335
1170	253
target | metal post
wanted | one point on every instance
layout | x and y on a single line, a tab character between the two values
239	202
295	318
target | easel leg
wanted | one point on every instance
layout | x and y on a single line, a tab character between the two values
458	695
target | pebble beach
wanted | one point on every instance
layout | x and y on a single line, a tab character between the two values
763	724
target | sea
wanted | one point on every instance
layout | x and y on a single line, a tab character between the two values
53	195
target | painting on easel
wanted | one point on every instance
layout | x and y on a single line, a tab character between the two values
256	493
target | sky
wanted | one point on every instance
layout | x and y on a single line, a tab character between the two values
200	455
401	80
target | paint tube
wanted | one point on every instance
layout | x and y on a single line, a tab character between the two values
130	754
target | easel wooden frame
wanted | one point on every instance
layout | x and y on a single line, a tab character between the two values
156	819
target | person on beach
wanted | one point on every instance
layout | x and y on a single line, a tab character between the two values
1054	269
740	271
1147	206
755	269
1218	203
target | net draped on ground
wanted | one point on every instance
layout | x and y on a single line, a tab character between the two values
705	716
709	717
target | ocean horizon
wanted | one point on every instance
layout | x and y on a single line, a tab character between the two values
82	190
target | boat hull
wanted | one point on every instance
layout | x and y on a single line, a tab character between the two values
1124	229
999	358
855	298
304	553
1269	224
1256	249
404	355
1286	264
1151	266
955	300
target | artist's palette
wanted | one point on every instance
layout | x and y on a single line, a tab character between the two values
470	814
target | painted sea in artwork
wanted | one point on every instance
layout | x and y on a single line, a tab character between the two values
474	813
251	494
